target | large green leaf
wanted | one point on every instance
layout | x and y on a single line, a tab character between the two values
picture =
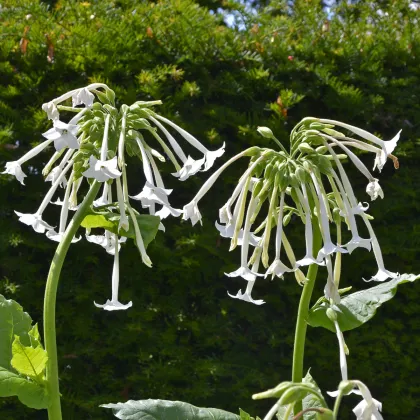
27	360
29	393
13	321
148	224
359	307
166	410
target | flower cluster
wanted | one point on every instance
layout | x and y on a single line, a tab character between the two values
310	182
93	145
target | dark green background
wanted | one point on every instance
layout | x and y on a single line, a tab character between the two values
185	338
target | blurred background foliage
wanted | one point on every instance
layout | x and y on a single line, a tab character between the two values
221	68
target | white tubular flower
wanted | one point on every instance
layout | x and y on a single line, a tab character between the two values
343	351
114	304
190	167
103	199
51	109
210	156
83	97
35	221
277	267
191	210
102	170
107	241
382	274
328	247
374	189
14	168
356	241
308	259
227	232
243	271
63	135
155	195
56	172
368	408
387	146
330	289
51	234
247	295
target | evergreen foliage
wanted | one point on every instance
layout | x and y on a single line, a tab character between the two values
185	338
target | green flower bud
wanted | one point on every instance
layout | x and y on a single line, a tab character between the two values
287	218
87	146
293	181
124	109
333	132
77	166
86	125
326	414
268	170
254	151
301	174
306	148
321	149
321	162
293	394
96	106
276	392
314	139
257	188
265	132
110	94
319	126
332	315
345	387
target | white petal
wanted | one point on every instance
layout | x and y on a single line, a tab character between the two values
243	272
56	237
374	189
14	168
52	134
247	298
83	96
114	306
192	213
278	268
211	156
189	168
51	110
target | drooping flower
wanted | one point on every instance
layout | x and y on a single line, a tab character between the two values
374	189
63	135
14	168
83	97
114	304
35	221
51	109
102	170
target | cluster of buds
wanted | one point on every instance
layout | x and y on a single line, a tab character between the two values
93	145
308	181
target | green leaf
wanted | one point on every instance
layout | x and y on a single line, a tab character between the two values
148	224
29	393
27	360
243	415
34	337
166	410
13	321
359	307
310	401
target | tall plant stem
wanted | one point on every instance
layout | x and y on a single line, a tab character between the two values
54	409
301	325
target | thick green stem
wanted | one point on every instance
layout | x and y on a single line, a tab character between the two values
301	325
54	410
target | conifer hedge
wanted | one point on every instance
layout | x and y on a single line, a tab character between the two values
185	338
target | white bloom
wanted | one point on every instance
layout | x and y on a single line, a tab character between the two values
210	156
387	146
57	237
382	274
189	168
54	175
374	189
114	304
328	247
64	135
155	195
106	241
243	272
277	267
192	213
83	96
35	221
228	231
368	410
308	259
247	295
103	199
102	170
14	168
51	109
